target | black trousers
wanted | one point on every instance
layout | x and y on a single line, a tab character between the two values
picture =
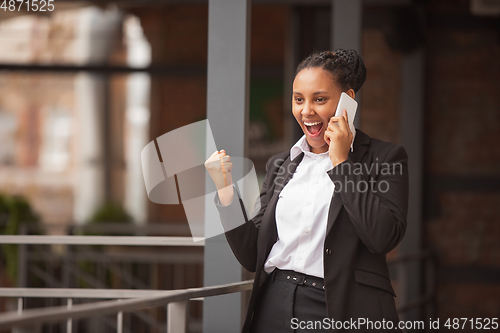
284	305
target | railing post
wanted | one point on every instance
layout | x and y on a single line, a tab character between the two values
177	317
27	328
19	312
19	305
69	322
119	322
22	261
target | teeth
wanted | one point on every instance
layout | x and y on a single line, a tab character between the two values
311	124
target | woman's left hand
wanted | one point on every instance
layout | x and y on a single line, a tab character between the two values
339	138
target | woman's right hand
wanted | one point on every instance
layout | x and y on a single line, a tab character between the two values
219	168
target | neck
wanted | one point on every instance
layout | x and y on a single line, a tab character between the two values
320	150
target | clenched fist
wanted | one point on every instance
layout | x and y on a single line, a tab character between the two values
219	168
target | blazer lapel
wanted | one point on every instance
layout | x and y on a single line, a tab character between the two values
361	144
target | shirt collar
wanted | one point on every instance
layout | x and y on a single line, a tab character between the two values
302	146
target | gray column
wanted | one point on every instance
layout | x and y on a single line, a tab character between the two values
227	112
292	58
412	132
346	25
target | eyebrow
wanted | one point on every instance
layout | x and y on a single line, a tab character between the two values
316	93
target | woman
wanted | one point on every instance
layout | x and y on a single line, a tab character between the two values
331	208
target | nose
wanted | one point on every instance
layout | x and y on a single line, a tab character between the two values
308	109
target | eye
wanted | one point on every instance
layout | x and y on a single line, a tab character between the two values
299	99
320	100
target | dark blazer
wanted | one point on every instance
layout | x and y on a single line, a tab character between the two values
366	220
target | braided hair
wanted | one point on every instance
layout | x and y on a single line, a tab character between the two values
346	66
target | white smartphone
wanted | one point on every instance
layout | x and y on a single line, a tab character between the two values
346	102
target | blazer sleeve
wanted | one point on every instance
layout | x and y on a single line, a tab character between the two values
379	213
243	238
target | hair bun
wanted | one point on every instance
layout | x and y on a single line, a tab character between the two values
347	67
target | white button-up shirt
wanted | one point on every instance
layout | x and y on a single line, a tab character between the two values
302	214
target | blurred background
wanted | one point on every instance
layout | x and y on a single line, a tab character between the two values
85	87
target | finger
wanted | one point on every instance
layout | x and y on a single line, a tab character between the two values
225	158
340	121
335	120
347	123
213	164
227	166
343	121
327	137
333	125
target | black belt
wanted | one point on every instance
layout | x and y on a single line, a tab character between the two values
298	278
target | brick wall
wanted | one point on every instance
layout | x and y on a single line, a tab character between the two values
462	159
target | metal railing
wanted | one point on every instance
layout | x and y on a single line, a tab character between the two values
103	240
128	300
52	294
176	300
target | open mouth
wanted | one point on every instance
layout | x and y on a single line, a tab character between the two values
313	128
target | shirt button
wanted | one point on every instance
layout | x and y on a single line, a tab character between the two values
306	229
328	251
300	258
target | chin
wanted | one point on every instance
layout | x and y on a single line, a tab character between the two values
317	145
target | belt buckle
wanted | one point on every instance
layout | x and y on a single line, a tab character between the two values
298	279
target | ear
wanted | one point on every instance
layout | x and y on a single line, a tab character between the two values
351	93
